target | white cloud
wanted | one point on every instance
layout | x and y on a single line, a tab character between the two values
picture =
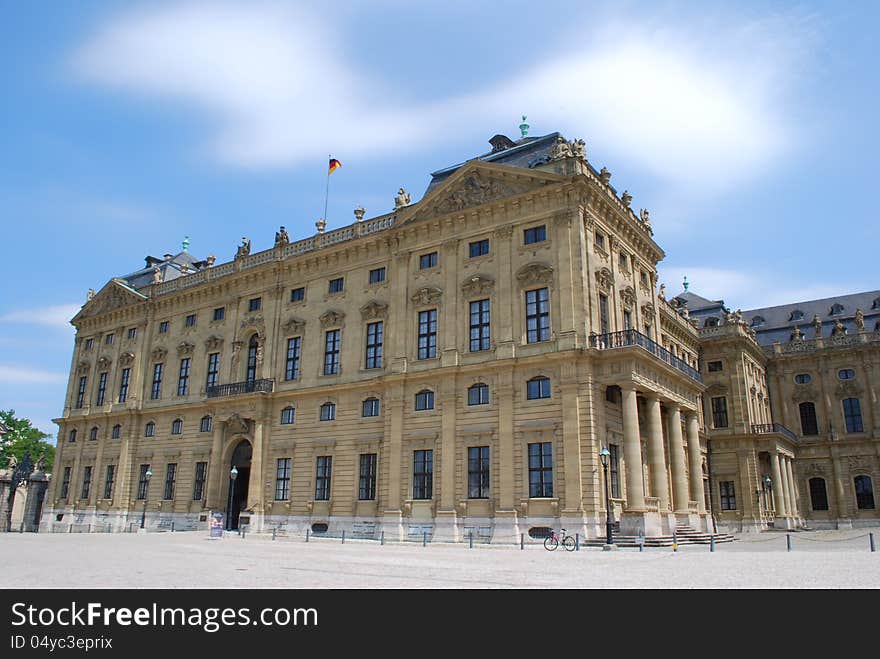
696	106
27	375
58	316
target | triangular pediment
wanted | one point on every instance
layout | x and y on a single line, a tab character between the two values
477	183
114	295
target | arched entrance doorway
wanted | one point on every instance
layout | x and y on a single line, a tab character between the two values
238	489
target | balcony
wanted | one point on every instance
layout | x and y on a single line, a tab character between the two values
626	338
265	385
766	428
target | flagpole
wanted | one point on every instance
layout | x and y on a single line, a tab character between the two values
327	190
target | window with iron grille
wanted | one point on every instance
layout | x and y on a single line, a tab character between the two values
282	479
199	481
156	391
183	378
102	389
535	235
123	384
109	478
367	478
206	424
719	412
65	483
425	400
478	394
541	469
328	411
478	472
479	325
116	432
370	407
537	315
614	470
728	495
423	474
81	392
322	477
177	426
377	275
291	366
538	387
428	261
375	341
331	352
288	414
170	478
213	369
478	248
298	294
143	483
427	334
87	482
336	285
852	415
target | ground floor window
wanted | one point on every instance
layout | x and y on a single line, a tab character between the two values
864	492
423	474
541	469
728	495
818	494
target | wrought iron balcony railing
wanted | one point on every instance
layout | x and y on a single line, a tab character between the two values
765	428
266	385
631	337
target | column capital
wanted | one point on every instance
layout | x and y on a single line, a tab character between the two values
673	406
627	386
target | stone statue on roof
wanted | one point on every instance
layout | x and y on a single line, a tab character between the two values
578	149
209	262
839	329
561	149
646	219
402	199
860	320
157	275
244	249
662	293
281	237
797	335
605	175
90	295
626	198
817	326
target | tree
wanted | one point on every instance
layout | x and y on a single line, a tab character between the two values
21	438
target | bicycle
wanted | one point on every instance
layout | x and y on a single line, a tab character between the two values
551	542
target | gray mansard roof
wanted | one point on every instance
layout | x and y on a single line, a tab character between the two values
170	267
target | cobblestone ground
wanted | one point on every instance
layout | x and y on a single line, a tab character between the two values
826	559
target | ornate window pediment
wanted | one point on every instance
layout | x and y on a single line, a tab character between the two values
83	366
374	309
254	323
804	392
427	295
647	310
213	343
628	296
332	318
104	362
126	358
604	279
185	348
477	285
158	353
535	273
293	325
848	388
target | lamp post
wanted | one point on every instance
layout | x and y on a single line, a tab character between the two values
768	493
147	476
233	474
604	454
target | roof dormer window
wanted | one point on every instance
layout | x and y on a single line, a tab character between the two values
797	314
758	320
836	309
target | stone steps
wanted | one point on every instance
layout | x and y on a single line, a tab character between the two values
684	535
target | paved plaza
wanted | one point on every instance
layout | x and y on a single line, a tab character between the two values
827	559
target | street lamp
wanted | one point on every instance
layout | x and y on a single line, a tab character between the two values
233	474
604	454
147	476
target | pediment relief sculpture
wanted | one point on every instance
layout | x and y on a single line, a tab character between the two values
477	188
159	353
213	343
104	362
111	297
534	273
477	285
814	469
185	348
126	358
293	325
427	295
849	388
648	310
628	296
374	309
83	366
237	425
604	279
716	389
332	318
254	323
859	463
804	392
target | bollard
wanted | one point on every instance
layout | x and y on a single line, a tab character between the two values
471	539
871	541
522	541
711	543
424	538
307	534
172	527
243	531
577	541
343	536
674	542
382	538
788	542
274	531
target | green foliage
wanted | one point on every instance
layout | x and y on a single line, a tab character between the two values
21	438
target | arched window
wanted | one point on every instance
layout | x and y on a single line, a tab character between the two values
797	314
252	359
758	320
818	494
803	378
836	309
538	387
116	432
846	374
478	394
206	424
150	429
288	414
864	492
71	437
93	433
328	411
370	407
177	426
809	425
425	400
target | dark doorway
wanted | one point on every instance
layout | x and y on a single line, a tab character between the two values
238	490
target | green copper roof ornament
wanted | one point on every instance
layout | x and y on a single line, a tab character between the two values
685	283
524	127
186	243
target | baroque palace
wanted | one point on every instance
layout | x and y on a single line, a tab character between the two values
455	367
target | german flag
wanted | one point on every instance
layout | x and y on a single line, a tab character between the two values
334	165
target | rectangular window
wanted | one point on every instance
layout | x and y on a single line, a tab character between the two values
219	313
714	367
535	235
541	469
282	479
623	260
143	482
132	333
600	240
478	472
728	495
81	392
291	366
370	407
170	477
643	277
604	326
719	412
163	327
190	321
428	334
87	483
331	352
428	261
65	483
627	320
479	326
809	423
213	369
537	315
478	248
614	470
89	343
298	294
423	474
108	340
123	384
375	341
367	478
337	285
255	304
199	480
183	378
102	389
852	415
109	477
157	382
322	477
377	275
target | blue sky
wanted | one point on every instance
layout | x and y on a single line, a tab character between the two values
749	131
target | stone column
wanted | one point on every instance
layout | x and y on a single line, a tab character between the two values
632	451
792	488
844	521
751	521
507	291
573	517
392	523
450	314
695	457
445	522
786	486
778	496
567	335
506	518
677	460
656	455
216	472
256	494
